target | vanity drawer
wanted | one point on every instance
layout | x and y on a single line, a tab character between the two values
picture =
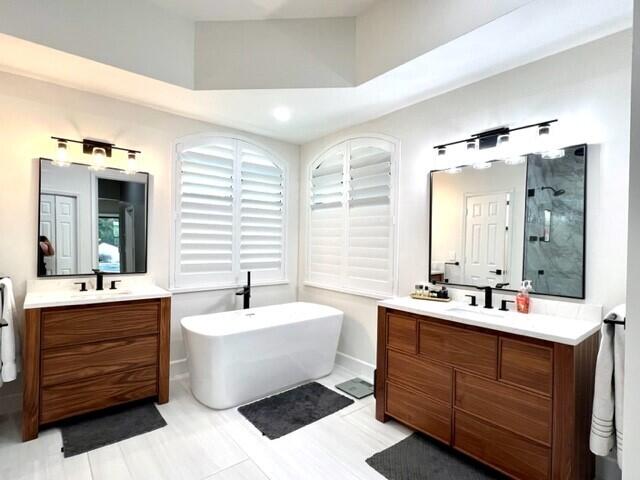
60	365
461	347
72	326
432	379
525	413
526	364
419	411
504	450
74	398
402	333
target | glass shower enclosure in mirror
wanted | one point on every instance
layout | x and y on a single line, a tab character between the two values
521	220
91	220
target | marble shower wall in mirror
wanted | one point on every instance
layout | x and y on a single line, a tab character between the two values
554	227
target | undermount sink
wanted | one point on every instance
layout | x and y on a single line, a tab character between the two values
100	294
475	311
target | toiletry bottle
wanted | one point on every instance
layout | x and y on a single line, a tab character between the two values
523	300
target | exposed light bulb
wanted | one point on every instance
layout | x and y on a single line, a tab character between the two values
282	114
132	163
472	152
99	158
503	146
62	159
546	143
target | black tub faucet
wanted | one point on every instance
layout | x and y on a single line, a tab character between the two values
488	296
99	278
246	293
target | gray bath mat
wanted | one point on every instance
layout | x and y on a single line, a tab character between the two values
110	426
288	411
420	458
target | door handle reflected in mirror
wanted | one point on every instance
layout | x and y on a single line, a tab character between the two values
497	271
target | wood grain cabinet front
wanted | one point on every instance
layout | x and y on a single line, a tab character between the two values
517	404
80	359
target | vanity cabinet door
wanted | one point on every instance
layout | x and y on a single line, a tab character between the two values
527	364
97	323
419	411
432	379
60	365
525	413
402	333
463	348
502	449
74	398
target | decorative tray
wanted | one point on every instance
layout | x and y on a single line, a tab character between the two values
433	299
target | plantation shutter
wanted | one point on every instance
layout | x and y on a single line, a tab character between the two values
261	211
206	211
230	215
370	217
326	220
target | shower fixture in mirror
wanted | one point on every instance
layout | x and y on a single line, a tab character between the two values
91	219
514	221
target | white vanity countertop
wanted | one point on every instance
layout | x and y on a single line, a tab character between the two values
566	330
64	293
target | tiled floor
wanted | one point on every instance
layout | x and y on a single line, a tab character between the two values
200	443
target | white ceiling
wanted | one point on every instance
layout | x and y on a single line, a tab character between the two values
223	10
522	36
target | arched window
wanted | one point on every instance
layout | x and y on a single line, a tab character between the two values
351	218
229	213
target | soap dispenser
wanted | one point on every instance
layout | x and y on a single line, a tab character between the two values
523	300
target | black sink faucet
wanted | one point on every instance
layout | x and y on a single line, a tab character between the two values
488	296
99	278
246	293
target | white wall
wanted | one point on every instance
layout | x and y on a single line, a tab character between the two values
631	428
31	111
275	54
586	88
133	35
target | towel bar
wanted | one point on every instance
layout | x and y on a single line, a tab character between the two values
613	320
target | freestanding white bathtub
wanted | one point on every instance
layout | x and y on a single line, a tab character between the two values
239	356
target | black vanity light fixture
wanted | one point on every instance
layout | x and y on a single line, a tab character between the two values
99	152
499	139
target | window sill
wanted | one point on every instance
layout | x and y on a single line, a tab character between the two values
349	291
209	288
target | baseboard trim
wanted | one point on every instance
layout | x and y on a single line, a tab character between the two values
357	366
178	368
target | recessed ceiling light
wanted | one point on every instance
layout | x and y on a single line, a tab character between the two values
282	114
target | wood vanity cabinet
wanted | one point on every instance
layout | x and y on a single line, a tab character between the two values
83	358
518	404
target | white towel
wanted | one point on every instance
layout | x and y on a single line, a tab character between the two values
606	421
9	342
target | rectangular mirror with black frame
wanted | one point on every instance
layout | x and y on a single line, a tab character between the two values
522	219
91	219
